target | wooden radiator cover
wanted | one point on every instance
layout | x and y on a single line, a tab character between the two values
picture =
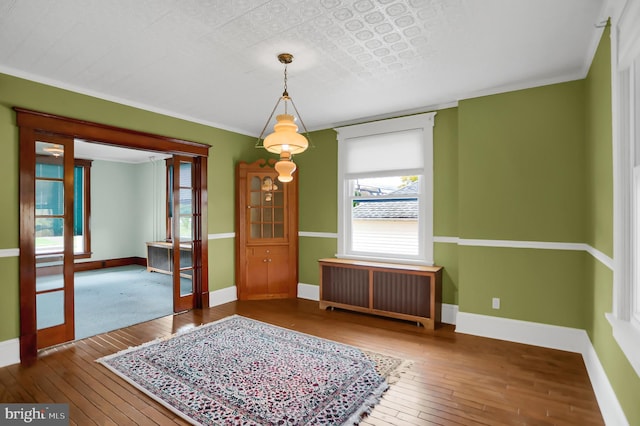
409	292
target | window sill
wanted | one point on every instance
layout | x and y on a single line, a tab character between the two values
384	259
628	338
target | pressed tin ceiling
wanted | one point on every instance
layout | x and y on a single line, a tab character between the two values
214	61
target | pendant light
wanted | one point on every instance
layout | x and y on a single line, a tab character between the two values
285	139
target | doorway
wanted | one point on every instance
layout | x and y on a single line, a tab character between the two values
47	139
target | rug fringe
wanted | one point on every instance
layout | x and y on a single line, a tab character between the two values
368	405
400	370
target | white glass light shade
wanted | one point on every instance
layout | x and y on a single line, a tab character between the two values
285	169
55	150
285	137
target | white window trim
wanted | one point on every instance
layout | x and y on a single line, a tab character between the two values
420	121
625	48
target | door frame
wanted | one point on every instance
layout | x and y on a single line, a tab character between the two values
30	123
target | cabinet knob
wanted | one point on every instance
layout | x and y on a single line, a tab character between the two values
269	260
268	251
264	260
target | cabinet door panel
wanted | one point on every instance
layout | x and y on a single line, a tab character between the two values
279	273
257	273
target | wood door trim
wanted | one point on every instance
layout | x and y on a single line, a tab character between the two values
31	123
102	133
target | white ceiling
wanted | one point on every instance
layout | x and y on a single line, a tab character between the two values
96	151
214	61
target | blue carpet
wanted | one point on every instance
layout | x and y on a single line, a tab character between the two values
108	299
112	298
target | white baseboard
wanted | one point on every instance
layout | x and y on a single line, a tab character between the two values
609	405
449	313
9	352
308	291
225	295
312	292
530	333
554	337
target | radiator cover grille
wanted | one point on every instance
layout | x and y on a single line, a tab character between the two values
345	285
402	293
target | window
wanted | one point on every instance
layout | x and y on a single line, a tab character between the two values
625	318
385	178
634	124
49	206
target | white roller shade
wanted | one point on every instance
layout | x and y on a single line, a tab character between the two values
385	152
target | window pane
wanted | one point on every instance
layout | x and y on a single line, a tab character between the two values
382	224
50	309
49	198
636	288
54	171
385	226
385	186
49	273
185	175
78	200
49	235
186	228
170	190
186	201
255	183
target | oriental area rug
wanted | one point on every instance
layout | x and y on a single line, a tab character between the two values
246	372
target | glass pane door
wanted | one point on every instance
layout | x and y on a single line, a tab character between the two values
183	213
53	242
266	207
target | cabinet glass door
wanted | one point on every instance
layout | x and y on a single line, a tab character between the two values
266	207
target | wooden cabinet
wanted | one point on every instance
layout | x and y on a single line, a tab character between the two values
266	233
409	292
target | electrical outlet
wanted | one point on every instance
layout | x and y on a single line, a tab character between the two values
495	303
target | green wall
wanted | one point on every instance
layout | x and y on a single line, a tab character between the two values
521	177
598	117
445	199
318	184
522	165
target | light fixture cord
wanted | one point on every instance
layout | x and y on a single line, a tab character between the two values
285	93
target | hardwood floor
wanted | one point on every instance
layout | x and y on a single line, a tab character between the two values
456	379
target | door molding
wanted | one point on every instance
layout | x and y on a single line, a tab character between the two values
31	123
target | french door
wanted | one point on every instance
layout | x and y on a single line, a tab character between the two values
47	221
186	230
50	223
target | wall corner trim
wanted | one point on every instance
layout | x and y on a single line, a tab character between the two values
317	234
554	337
9	352
221	236
222	296
308	291
449	313
11	252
